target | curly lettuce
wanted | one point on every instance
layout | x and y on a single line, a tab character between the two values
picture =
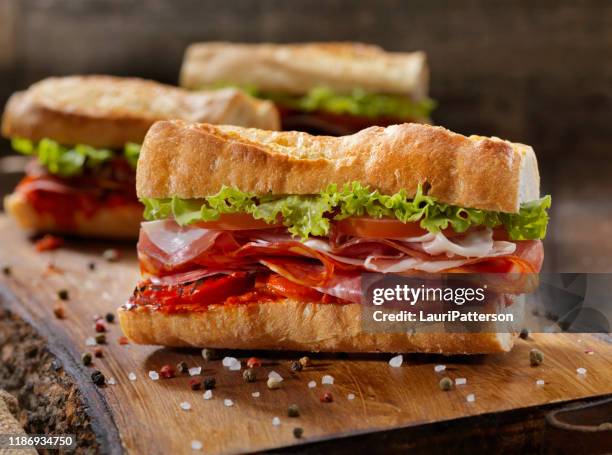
311	215
71	161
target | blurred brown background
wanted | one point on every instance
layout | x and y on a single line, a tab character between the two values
532	72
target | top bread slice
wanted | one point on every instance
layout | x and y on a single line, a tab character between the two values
108	111
297	68
191	160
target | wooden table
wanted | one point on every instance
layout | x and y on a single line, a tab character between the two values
396	408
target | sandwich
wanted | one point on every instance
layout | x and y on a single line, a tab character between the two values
258	239
322	88
85	132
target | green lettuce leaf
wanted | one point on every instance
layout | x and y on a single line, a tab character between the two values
70	161
310	215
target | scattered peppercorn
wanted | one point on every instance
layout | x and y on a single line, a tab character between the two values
327	397
446	384
209	383
273	383
86	359
6	270
98	378
524	334
110	318
182	367
296	366
91	266
100	338
62	294
536	357
98	352
253	362
305	361
293	410
111	255
249	375
124	340
210	354
195	384
59	310
100	326
167	371
298	432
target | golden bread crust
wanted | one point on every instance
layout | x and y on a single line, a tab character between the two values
293	325
191	160
297	68
108	111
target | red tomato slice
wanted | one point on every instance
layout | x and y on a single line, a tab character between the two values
237	222
386	228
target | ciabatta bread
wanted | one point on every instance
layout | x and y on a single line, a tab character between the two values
297	68
294	325
120	222
107	111
192	160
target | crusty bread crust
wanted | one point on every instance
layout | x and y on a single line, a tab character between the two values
293	325
122	222
107	111
195	160
297	68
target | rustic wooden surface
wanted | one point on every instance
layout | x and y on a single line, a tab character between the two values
147	417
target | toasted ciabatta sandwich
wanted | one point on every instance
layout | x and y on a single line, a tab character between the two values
86	133
330	88
258	239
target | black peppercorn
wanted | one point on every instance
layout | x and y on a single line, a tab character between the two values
210	354
298	432
100	338
249	375
63	294
293	410
296	366
110	318
86	358
182	367
91	266
524	334
209	383
6	270
98	378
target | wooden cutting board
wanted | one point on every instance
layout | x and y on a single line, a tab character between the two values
394	408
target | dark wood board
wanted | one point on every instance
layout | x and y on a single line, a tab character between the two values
390	404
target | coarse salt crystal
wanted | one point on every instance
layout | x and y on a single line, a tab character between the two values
327	379
350	396
581	371
460	381
227	402
255	394
229	361
185	405
195	371
154	375
207	395
471	398
196	445
91	341
396	361
276	421
439	368
540	382
111	381
312	384
236	366
132	377
274	375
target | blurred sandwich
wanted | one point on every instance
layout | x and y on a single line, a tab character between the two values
258	239
85	132
321	88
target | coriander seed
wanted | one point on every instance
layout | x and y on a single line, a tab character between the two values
305	361
210	354
536	357
446	384
100	338
86	359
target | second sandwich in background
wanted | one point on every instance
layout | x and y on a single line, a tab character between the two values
320	88
86	133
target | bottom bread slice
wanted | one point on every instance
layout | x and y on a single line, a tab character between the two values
120	222
293	325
